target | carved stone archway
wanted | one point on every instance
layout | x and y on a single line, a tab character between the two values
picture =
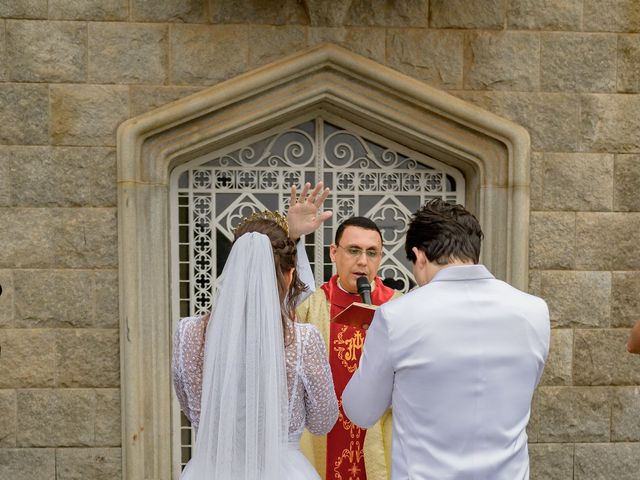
491	152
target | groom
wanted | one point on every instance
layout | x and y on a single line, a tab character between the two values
458	359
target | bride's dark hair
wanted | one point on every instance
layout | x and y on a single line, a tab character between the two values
285	256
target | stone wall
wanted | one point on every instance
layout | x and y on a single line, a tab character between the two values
72	70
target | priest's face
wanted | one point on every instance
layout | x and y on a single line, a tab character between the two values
358	254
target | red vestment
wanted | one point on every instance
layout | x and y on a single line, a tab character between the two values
345	442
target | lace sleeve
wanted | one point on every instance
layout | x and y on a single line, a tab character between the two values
320	399
188	356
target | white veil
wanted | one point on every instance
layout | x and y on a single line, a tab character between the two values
243	423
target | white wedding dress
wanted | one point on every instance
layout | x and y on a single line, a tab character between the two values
248	397
312	399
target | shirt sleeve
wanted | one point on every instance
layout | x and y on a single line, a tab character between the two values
187	364
304	271
368	393
320	399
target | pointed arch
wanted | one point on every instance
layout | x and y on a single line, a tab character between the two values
492	153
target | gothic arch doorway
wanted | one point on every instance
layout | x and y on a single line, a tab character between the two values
451	142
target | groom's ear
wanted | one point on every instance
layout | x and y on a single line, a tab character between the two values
421	257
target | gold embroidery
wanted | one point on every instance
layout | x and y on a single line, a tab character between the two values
348	348
353	455
350	460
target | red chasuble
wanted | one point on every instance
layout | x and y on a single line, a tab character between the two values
345	442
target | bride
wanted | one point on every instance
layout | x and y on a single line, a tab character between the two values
249	378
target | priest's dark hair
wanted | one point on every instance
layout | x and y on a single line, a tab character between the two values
360	222
444	232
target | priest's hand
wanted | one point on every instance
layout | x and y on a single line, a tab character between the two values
304	214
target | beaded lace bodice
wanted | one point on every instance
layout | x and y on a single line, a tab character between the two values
312	399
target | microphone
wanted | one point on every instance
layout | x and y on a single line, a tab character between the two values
364	289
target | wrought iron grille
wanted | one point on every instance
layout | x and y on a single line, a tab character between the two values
368	175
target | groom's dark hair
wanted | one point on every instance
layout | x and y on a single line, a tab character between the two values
444	232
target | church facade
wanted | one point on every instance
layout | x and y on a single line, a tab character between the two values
135	134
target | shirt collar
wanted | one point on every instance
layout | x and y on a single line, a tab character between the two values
462	272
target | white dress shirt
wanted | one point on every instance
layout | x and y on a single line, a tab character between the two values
458	360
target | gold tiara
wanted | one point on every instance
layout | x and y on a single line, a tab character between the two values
276	216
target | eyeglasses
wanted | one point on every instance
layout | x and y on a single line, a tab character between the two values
356	252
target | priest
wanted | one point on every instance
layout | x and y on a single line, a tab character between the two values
349	452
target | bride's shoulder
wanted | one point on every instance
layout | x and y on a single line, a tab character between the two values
306	331
196	323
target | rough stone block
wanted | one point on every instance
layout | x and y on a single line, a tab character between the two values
108	418
626	183
607	461
535	282
610	123
58	238
578	62
88	358
46	51
87	114
536	185
463	14
551	118
23	9
128	53
87	239
433	56
24	114
552	240
577	298
8	419
570	414
38	180
45	177
367	42
324	13
611	15
27	463
7	314
103	173
600	357
559	366
545	14
28	358
188	11
608	241
625	412
629	63
412	13
268	42
60	418
106	295
551	461
502	61
579	182
204	54
88	463
53	298
625	299
3	52
5	179
97	10
147	98
288	12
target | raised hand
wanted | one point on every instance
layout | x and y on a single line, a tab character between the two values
304	214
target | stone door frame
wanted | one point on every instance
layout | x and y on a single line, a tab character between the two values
492	153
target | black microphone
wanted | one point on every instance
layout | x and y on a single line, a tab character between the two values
364	289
